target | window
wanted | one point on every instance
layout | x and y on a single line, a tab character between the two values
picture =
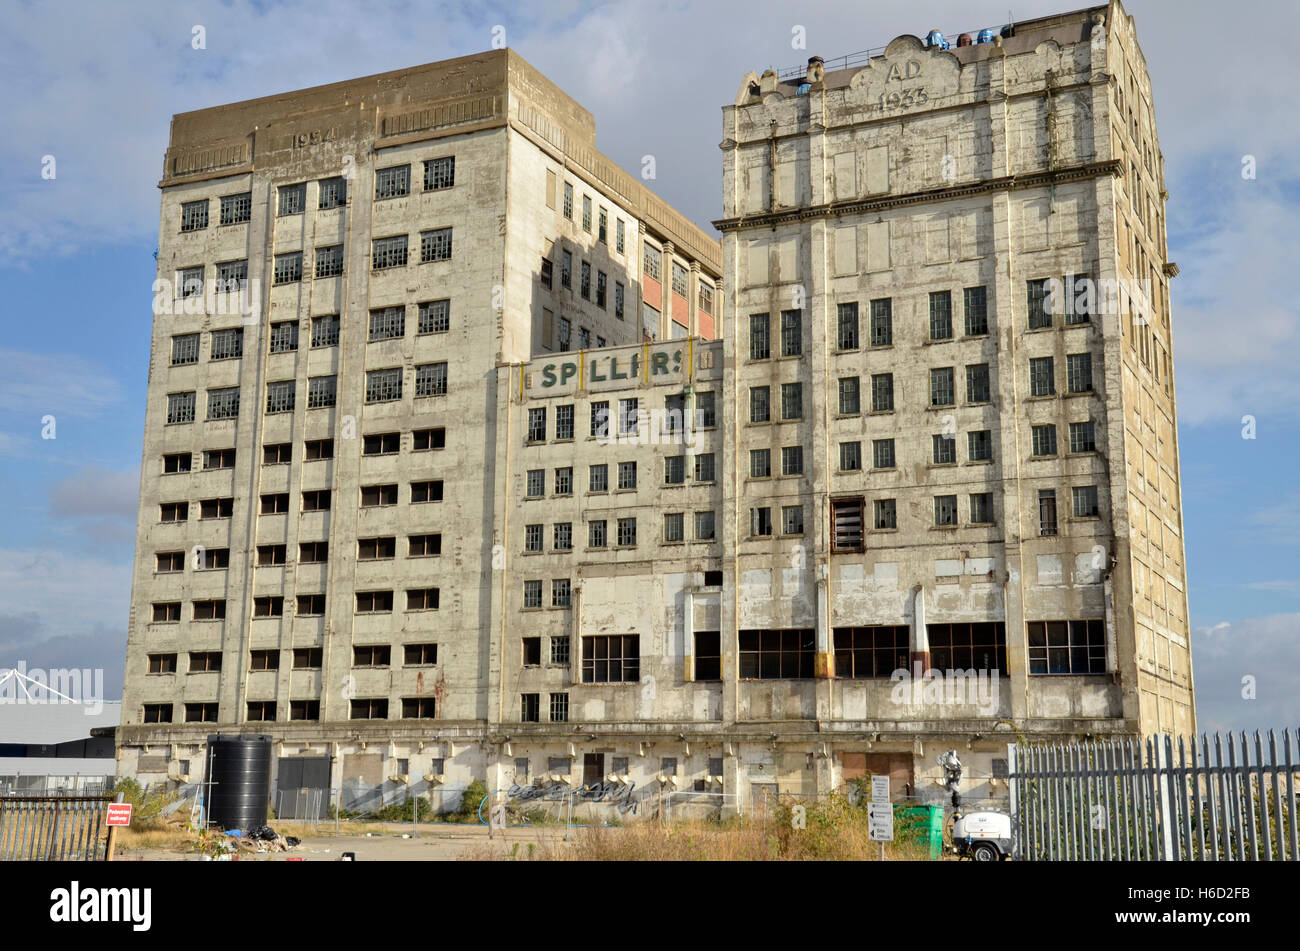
1067	647
191	282
602	233
421	599
292	199
530	707
586	213
280	396
194	215
627	475
976	306
277	454
376	549
377	495
307	658
651	261
533	537
628	418
759	404
383	385
705	410
945	510
867	652
981	508
427	491
1078	372
537	425
705	298
424	546
568	201
274	503
435	245
166	612
308	606
760	521
945	450
941	387
705	468
439	173
674	527
675	470
375	602
940	315
180	409
626	532
288	267
533	593
232	275
424	440
431	379
601	281
596	534
536	483
564	421
760	463
236	209
598	478
848	326
1085	501
368	709
393	182
1039	316
162	664
882	323
566	271
564	480
1046	511
322	391
850	404
584	286
157	713
612	658
885	512
681	285
562	536
313	553
561	592
316	500
227	344
270	555
980	646
704	526
212	558
174	511
185	349
200	713
791	400
325	331
216	508
977	383
618	299
619	235
760	337
1079	299
388	252
1044	440
1082	437
792	460
776	654
979	445
560	701
1042	377
792	520
547	275
223	403
882	392
380	444
850	456
882	453
209	610
168	561
333	193
284	336
387	322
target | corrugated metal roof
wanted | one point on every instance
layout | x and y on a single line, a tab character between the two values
50	723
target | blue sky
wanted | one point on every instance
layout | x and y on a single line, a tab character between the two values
95	86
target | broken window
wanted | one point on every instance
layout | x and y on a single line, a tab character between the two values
274	503
977	383
559	708
185	349
377	549
384	386
882	322
180	408
976	308
200	713
392	182
435	245
981	508
325	331
941	387
1046	511
427	439
333	192
280	396
435	317
322	391
760	337
223	403
431	379
174	511
194	215
261	710
373	495
428	490
388	252
313	553
157	713
940	315
847	529
288	267
329	261
227	344
440	173
292	199
850	456
422	599
980	646
423	546
370	709
418	708
271	555
381	444
304	709
236	209
216	508
945	510
532	651
532	594
277	454
708	655
1085	501
865	652
1044	440
209	610
420	655
374	602
166	612
1067	647
284	336
776	654
308	604
530	710
611	658
162	664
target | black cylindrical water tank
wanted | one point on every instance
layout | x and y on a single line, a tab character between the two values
239	770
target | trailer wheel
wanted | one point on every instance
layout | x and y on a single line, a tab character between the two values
984	852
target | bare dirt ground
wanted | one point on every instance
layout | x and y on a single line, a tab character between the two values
430	843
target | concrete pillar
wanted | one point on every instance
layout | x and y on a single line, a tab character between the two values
688	635
920	639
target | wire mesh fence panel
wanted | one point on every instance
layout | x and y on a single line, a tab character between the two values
1217	798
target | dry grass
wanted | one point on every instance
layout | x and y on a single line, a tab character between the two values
174	838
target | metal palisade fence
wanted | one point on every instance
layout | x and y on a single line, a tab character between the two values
1220	798
53	828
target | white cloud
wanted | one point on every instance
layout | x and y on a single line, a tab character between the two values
39	384
1266	649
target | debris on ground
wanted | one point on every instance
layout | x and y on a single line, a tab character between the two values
262	839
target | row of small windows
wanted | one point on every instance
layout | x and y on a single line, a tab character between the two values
308	605
602	231
630	417
373	444
413	708
302	658
547	278
624	532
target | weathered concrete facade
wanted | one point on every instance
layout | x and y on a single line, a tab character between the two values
663	559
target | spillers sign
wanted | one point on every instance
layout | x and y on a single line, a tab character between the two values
597	368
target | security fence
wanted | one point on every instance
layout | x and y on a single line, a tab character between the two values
53	828
1217	799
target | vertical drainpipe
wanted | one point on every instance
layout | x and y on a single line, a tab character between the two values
920	639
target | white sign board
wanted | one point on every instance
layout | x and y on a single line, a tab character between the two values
880	821
880	789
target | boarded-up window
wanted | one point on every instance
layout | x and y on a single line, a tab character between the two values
787	260
846	250
878	169
757	263
550	189
753	197
846	524
846	175
878	246
785	184
1033	221
937	250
